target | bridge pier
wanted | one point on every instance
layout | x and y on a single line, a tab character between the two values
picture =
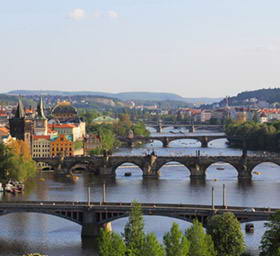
197	172
105	171
165	142
90	226
204	142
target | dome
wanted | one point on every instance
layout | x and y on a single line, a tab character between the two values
64	108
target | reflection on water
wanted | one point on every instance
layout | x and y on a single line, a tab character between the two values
30	232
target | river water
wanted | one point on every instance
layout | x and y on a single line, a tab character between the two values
53	236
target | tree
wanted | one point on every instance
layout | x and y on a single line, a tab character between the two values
201	244
226	234
175	242
16	162
152	246
270	243
134	235
110	244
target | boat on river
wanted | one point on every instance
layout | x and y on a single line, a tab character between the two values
14	187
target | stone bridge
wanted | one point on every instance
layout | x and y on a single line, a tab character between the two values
93	216
151	164
203	139
191	127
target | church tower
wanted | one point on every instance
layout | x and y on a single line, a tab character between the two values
40	122
17	123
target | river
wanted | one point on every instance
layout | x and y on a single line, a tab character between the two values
53	236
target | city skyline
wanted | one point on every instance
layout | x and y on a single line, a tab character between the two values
211	50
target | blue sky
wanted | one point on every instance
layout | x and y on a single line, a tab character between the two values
193	48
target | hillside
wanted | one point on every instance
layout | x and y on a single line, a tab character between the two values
125	96
268	95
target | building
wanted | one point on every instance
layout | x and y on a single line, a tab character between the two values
21	127
91	142
41	146
4	135
76	130
40	121
64	112
62	146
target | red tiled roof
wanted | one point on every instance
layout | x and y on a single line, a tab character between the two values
37	137
4	130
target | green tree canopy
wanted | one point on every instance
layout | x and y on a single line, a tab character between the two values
226	234
270	243
152	246
134	235
110	244
201	244
175	242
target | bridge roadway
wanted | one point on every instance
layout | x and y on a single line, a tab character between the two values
191	127
203	139
151	164
95	215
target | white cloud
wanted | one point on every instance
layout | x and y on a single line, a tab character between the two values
77	14
112	14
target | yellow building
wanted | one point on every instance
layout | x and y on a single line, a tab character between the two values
41	146
62	146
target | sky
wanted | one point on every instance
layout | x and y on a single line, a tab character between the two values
194	48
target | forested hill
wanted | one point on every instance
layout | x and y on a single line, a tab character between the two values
268	95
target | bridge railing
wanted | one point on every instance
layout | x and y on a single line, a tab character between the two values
126	204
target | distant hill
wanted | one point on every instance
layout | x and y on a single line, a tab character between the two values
141	96
268	95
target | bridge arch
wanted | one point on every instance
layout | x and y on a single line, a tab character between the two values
221	170
127	166
180	167
187	142
189	219
76	217
217	143
259	170
78	166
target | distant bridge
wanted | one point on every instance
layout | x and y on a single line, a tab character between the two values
203	139
93	216
159	126
151	164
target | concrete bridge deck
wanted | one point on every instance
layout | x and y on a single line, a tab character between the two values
95	215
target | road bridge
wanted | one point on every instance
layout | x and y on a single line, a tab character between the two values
203	139
151	164
95	215
159	126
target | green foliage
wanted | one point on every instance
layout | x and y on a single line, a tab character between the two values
256	135
110	244
152	246
270	243
78	144
226	234
201	244
134	235
176	243
16	162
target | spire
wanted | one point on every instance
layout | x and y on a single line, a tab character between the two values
40	109
20	110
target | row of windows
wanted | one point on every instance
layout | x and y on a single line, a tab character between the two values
41	155
43	150
41	145
62	149
70	154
